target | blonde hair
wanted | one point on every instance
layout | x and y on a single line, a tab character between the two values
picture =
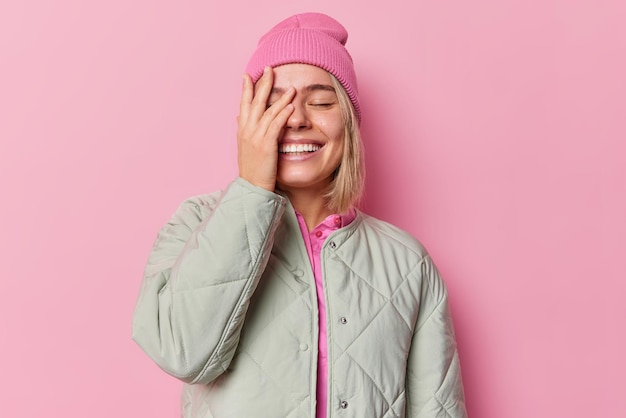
346	188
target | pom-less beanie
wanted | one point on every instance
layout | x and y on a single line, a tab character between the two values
308	38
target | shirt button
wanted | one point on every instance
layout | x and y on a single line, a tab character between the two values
303	347
332	245
343	320
343	404
337	221
318	234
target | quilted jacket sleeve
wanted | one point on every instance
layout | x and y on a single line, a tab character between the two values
200	275
434	385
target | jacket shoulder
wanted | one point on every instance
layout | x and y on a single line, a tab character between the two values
189	214
393	236
205	200
394	252
239	192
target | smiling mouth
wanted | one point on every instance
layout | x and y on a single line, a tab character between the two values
298	148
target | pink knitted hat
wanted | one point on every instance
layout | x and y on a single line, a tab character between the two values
308	38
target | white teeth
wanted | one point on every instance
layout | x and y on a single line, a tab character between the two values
294	148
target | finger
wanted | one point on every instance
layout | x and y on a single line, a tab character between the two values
262	93
279	105
247	93
276	111
278	123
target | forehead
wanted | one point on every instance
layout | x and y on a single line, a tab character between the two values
300	76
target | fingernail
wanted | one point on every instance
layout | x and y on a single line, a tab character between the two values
266	70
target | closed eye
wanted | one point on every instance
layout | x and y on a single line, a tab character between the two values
323	104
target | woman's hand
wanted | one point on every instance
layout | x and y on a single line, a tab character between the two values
259	128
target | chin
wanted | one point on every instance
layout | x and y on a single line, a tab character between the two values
295	184
303	182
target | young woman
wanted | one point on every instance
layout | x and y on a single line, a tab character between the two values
277	297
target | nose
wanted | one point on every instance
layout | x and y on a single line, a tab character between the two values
298	118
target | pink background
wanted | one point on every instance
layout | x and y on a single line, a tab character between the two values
495	133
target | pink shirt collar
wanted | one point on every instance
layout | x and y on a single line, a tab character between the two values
332	222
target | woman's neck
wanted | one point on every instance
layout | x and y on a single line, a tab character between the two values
311	204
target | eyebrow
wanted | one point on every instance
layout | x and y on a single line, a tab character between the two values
311	87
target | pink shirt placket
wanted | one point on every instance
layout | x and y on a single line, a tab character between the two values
314	241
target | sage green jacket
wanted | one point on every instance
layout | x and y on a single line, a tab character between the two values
228	305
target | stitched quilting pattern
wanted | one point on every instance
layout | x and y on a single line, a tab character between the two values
370	351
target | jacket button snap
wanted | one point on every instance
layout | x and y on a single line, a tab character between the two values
343	320
343	404
332	245
303	347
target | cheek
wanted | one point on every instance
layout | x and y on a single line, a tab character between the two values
337	155
333	128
